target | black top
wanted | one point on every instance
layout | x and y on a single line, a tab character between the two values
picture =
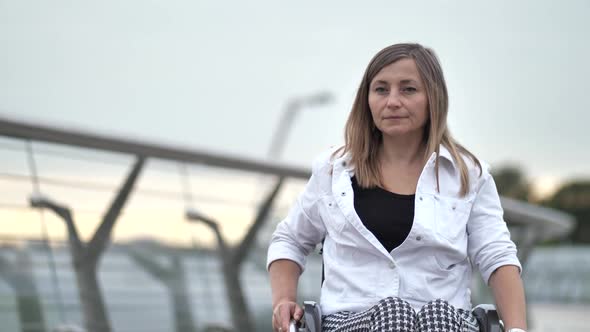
389	216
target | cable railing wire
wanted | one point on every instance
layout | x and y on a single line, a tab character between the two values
192	157
97	187
45	233
71	155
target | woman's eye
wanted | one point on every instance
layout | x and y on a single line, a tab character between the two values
409	89
380	89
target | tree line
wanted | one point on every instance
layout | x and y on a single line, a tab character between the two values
572	196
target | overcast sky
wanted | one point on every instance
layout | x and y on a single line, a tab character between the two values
215	75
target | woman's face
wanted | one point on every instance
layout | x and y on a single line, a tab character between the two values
398	100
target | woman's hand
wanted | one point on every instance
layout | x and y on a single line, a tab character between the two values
282	314
284	275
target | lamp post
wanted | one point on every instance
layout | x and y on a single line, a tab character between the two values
85	260
230	269
86	255
232	257
292	107
195	215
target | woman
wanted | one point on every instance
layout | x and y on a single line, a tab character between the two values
405	212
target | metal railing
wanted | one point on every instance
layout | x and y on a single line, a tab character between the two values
529	224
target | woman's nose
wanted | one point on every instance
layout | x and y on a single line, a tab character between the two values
393	101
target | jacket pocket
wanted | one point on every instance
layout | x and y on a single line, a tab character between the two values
451	217
450	263
439	281
333	218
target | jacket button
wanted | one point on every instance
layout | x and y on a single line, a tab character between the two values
343	193
418	238
392	265
420	197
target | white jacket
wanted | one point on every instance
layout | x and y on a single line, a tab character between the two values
449	235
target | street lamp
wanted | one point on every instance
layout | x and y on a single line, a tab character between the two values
231	260
233	256
40	201
194	215
291	109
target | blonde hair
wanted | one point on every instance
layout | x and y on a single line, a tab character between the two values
363	139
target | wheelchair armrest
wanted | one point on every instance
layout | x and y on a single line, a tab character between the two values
312	319
488	318
313	316
296	327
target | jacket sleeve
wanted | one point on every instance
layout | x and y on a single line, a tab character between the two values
489	245
297	235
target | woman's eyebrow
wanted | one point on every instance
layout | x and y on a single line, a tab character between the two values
379	82
409	81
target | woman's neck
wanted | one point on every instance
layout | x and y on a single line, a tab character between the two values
401	163
402	151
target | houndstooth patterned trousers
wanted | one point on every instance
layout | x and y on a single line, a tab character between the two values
396	315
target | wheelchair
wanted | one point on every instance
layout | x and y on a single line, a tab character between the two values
486	316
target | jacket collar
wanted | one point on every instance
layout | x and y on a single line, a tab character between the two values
344	163
445	153
347	165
